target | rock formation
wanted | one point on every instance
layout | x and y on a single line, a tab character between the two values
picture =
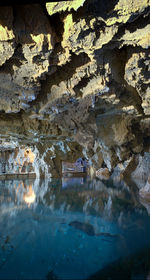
77	73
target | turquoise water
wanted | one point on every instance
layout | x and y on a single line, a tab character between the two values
71	229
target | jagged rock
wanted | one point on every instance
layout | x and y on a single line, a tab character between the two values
44	158
103	173
127	11
141	173
144	194
53	8
136	75
29	60
146	188
7	42
141	37
77	70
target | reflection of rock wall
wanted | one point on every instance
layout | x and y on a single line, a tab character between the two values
80	71
87	197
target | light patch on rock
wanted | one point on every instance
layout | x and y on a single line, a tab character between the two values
103	173
125	9
56	7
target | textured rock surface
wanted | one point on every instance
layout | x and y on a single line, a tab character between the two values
77	72
28	43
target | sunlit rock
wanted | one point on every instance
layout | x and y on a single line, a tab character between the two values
29	58
127	10
53	8
7	36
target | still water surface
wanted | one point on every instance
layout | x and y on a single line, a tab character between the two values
72	229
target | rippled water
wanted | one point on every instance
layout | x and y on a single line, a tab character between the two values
73	229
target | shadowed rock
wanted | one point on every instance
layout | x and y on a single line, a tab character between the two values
89	229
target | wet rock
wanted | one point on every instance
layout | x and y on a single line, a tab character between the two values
103	173
141	173
144	195
146	189
123	170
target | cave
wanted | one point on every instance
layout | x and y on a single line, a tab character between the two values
74	139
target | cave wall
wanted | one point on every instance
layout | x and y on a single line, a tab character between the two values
77	71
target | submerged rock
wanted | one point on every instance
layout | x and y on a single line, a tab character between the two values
89	229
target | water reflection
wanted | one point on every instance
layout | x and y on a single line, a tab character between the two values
29	195
69	228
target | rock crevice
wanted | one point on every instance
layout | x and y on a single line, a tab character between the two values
80	71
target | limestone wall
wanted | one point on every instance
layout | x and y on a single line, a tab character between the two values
77	71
